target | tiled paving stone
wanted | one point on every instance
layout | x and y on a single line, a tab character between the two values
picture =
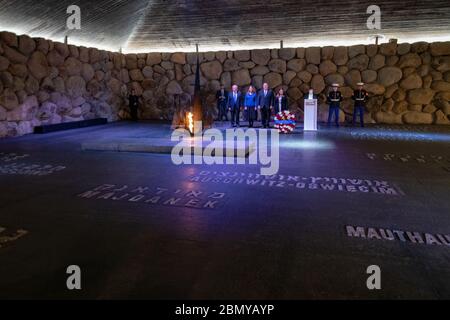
263	241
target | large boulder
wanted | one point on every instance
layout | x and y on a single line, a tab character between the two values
389	75
14	56
441	118
178	57
340	56
287	53
368	76
26	111
334	78
419	47
295	93
388	49
327	67
440	86
242	55
174	88
388	118
87	72
403	48
277	65
420	96
9	38
26	45
296	65
327	52
19	70
375	88
8	99
413	81
241	77
318	83
416	117
38	65
360	62
273	79
313	55
261	56
377	62
440	48
55	59
4	63
75	86
305	76
211	70
136	75
356	50
153	58
352	78
73	67
259	71
443	64
410	60
231	65
288	76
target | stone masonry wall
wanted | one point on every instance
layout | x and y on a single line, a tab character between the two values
44	82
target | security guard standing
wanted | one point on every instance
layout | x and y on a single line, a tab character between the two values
334	100
360	96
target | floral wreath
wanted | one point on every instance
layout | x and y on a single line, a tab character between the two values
285	121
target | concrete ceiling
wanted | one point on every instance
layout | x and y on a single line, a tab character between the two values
176	25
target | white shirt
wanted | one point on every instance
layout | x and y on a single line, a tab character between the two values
311	96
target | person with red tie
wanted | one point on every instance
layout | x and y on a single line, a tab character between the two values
265	104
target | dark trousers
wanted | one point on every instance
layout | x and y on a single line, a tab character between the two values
251	116
333	111
235	113
359	110
134	113
222	107
265	116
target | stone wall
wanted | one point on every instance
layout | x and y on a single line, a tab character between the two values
45	82
408	83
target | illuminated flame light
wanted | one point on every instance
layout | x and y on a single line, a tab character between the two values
190	122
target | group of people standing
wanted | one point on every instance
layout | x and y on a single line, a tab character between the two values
269	103
266	101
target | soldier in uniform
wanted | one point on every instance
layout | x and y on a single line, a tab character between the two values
360	96
222	97
334	100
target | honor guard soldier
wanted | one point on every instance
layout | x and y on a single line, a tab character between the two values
359	95
334	100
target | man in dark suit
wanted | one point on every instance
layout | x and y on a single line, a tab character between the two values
222	98
134	105
359	95
265	104
234	105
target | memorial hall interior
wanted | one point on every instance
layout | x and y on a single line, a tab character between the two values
96	95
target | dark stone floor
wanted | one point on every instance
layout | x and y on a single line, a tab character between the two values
262	241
